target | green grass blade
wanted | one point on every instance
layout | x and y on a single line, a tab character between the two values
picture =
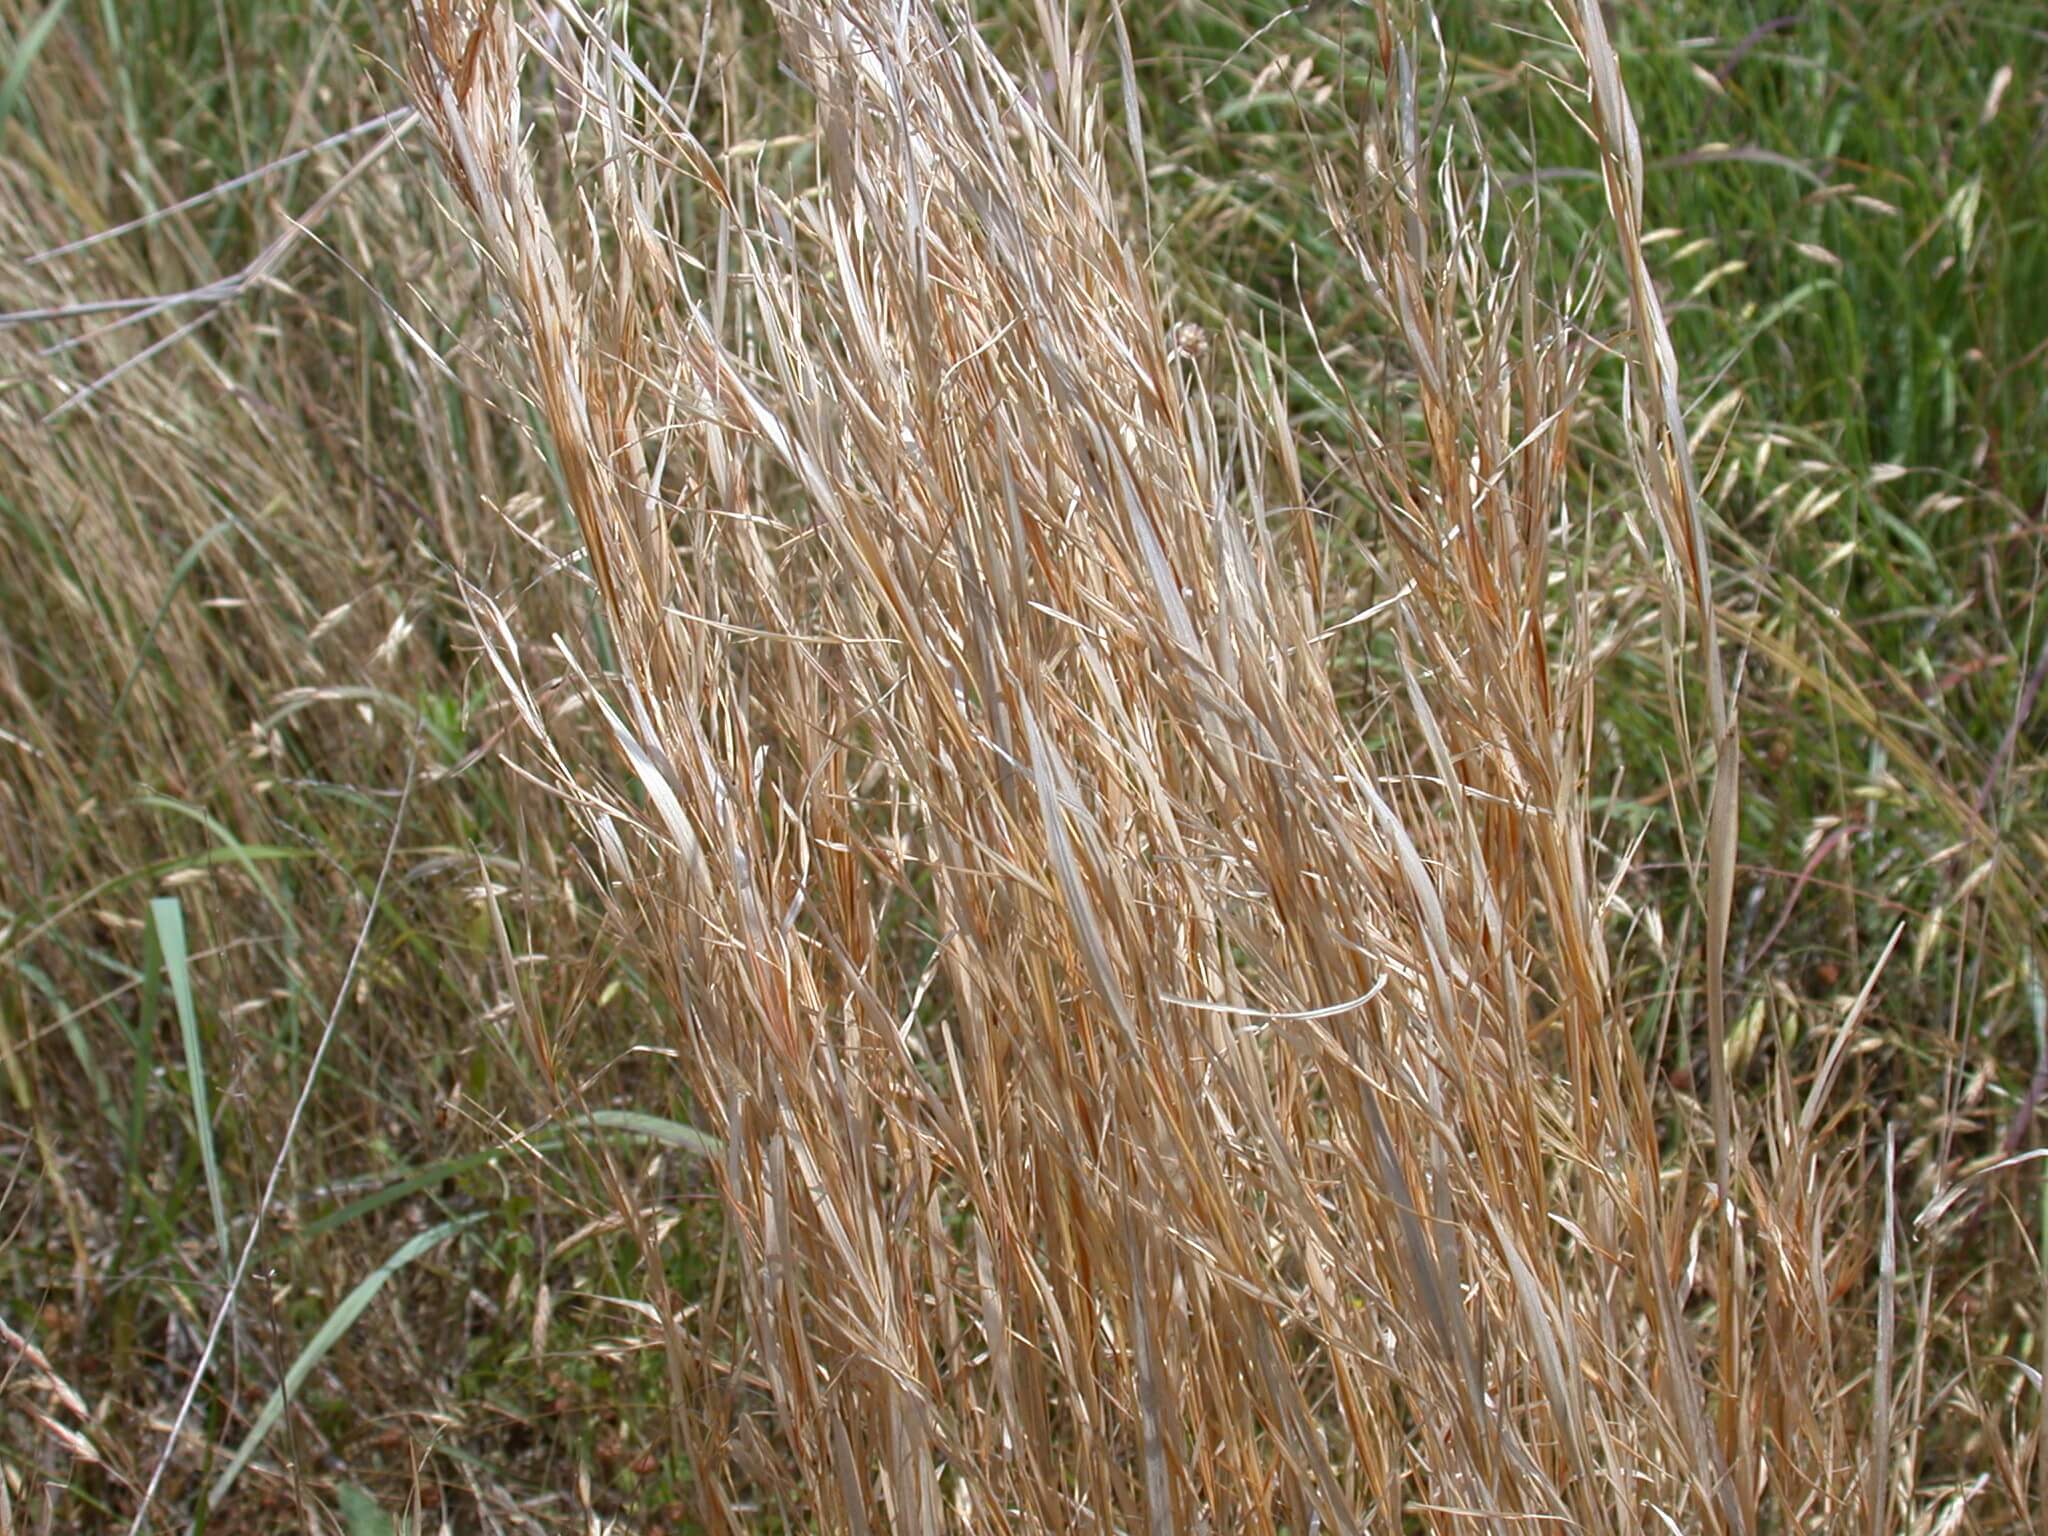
67	1025
187	564
242	854
407	1182
169	921
362	1515
619	1122
343	1318
24	56
673	1133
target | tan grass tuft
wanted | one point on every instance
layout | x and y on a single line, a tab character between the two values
1153	1098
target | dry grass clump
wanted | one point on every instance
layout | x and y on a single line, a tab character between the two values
1152	1097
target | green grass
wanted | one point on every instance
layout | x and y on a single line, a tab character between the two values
1850	236
208	717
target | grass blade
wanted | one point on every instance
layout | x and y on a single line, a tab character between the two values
620	1122
330	1333
169	921
24	56
632	1122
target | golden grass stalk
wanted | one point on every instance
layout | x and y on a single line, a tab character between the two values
1154	1097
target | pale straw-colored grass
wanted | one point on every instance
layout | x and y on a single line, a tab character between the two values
1154	1097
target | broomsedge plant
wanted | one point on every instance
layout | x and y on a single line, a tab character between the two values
1154	1095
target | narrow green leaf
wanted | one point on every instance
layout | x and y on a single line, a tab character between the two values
362	1515
244	855
620	1122
407	1182
169	919
24	56
187	563
631	1122
338	1323
74	1036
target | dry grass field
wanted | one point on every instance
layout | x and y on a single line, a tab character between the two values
890	768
